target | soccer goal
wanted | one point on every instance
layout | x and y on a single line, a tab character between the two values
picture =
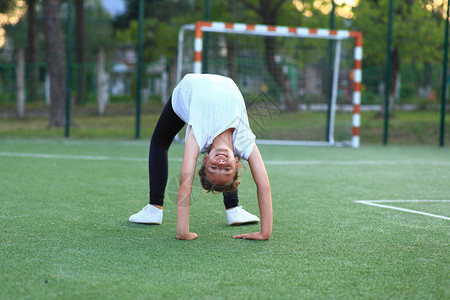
302	86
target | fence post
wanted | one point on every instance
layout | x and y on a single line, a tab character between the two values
444	80
20	83
388	73
330	67
206	37
69	67
139	70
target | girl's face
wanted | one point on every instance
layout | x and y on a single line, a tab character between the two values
220	165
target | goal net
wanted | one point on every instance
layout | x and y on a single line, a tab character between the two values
301	85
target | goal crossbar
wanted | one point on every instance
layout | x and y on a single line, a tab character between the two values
284	31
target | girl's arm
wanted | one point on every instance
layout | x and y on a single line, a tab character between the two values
264	197
190	156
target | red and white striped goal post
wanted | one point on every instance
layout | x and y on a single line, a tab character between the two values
267	30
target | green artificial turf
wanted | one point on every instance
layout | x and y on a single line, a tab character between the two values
64	208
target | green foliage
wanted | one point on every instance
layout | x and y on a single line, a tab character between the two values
121	99
130	34
17	33
95	18
98	18
7	6
418	44
161	29
163	20
417	32
6	98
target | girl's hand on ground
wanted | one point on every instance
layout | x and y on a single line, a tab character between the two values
188	236
252	236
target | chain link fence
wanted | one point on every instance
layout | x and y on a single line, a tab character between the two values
104	82
103	73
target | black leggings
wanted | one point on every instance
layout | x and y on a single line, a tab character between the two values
169	124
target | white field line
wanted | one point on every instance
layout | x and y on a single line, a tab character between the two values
376	203
267	162
78	157
76	142
356	162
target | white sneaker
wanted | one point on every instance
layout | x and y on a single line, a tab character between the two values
148	215
238	215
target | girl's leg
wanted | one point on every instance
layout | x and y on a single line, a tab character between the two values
230	199
169	124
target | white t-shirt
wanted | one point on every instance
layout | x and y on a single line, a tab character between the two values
211	104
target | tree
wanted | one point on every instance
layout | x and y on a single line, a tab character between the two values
31	53
268	11
415	33
163	19
56	62
7	6
80	48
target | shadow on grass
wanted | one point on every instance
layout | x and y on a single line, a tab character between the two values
129	224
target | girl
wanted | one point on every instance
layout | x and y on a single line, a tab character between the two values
214	110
